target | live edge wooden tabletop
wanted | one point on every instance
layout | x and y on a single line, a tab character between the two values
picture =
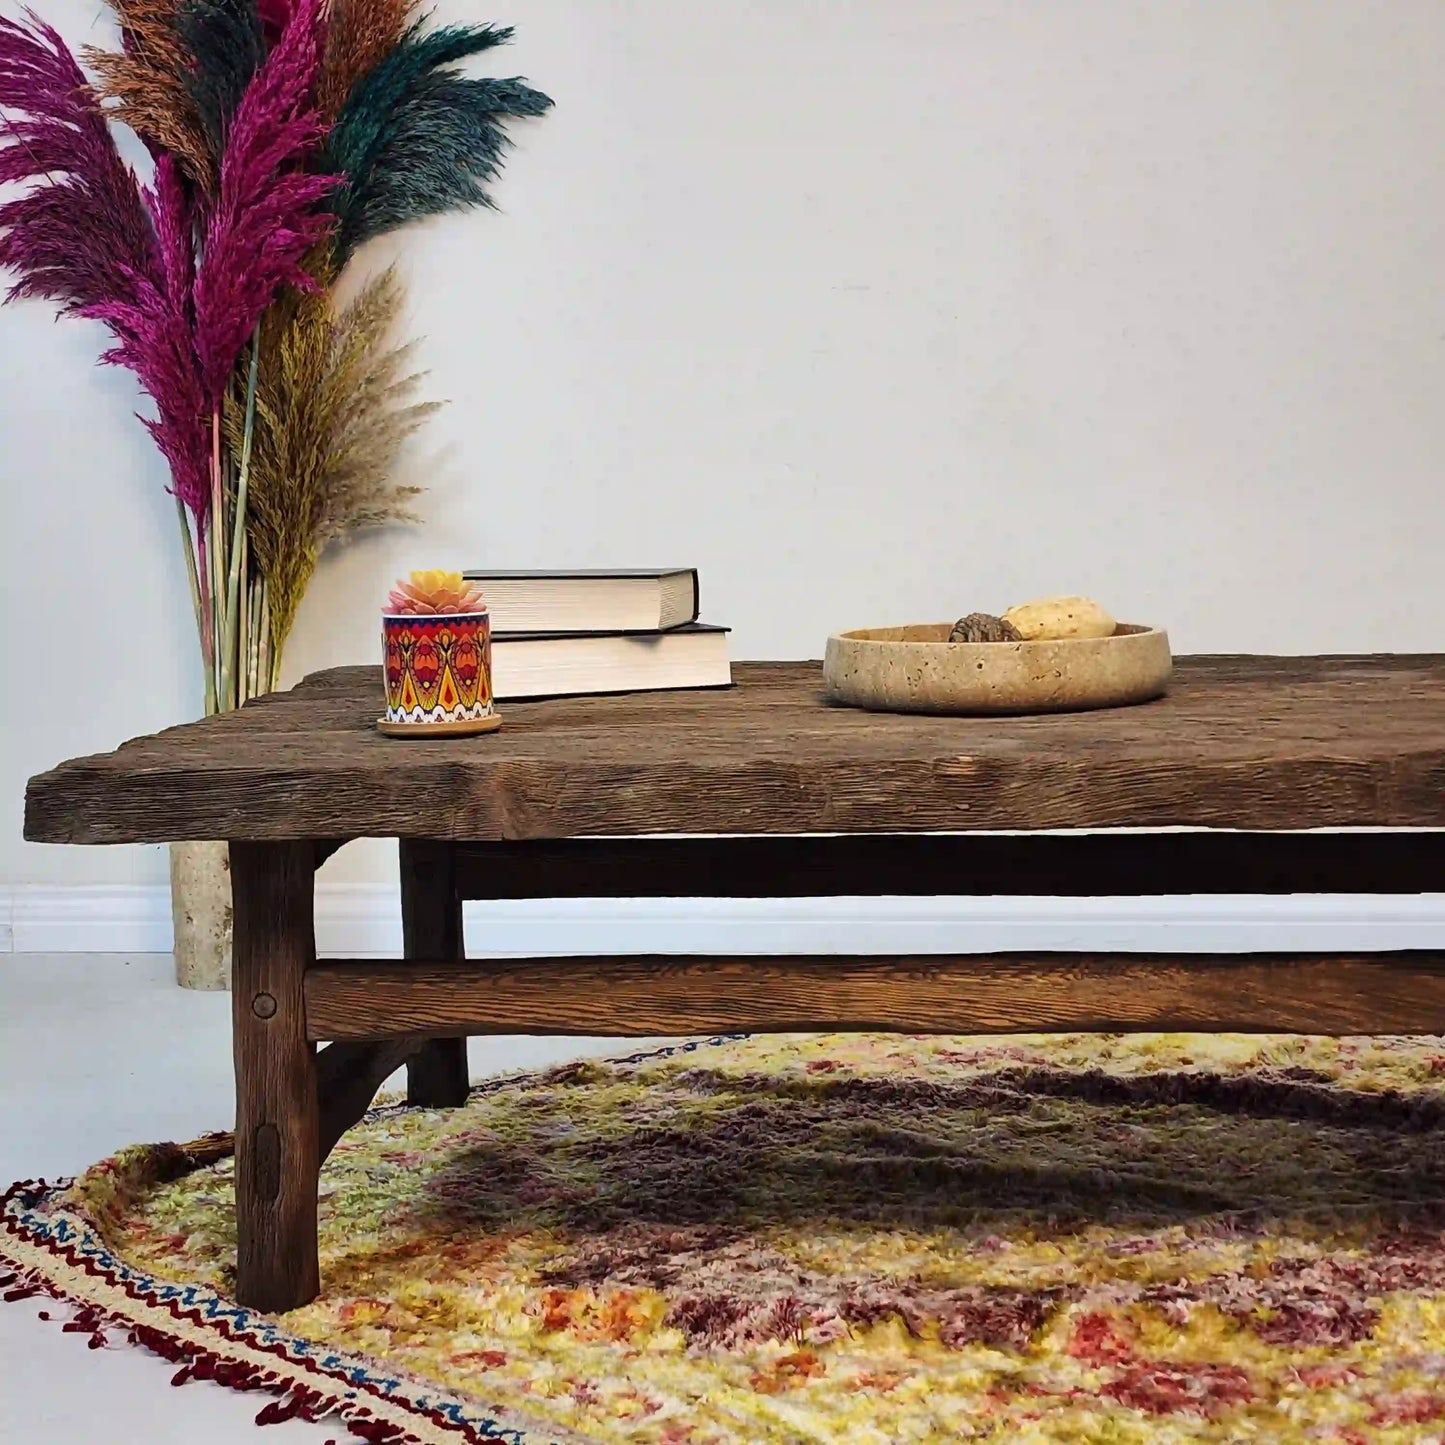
1245	742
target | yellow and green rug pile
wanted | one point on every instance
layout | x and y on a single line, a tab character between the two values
864	1239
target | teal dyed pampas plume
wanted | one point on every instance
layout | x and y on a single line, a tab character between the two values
415	138
226	45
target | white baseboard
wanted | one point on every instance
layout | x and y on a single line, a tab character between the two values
362	920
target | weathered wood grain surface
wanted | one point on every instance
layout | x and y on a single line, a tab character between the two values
347	1078
431	927
278	1148
1240	742
992	993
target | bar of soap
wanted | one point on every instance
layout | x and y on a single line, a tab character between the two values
1052	618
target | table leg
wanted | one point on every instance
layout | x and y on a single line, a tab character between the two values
431	924
277	1154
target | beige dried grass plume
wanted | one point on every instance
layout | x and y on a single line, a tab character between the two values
333	408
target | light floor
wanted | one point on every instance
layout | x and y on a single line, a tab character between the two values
100	1050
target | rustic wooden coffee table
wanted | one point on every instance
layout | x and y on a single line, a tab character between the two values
808	800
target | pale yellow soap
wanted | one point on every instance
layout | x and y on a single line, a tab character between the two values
1052	618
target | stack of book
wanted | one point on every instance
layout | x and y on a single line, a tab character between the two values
558	634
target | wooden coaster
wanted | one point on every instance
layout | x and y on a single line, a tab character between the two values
488	724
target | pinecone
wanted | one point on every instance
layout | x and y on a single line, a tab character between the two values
983	627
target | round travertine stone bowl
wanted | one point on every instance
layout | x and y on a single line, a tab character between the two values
917	669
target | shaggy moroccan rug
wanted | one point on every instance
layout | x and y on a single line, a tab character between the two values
859	1239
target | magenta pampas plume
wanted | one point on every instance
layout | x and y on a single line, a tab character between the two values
85	235
154	339
79	234
267	215
274	15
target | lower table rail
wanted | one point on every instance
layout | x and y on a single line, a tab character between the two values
1393	992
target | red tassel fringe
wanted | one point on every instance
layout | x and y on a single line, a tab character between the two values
295	1401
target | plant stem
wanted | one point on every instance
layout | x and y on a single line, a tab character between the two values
243	626
193	546
189	548
267	666
253	650
214	532
208	644
238	528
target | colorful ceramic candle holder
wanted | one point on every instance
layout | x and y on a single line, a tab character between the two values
438	674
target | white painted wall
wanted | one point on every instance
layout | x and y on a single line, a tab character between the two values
877	312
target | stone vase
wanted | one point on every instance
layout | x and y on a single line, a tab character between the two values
201	913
